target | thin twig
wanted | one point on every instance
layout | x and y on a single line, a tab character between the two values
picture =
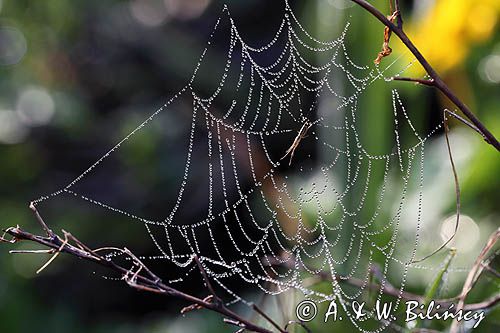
269	319
457	191
5	240
217	300
424	82
399	18
295	322
235	323
491	270
51	251
40	220
53	257
438	82
461	119
473	276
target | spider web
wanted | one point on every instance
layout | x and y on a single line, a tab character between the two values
284	224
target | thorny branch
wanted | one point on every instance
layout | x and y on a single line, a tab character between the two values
436	80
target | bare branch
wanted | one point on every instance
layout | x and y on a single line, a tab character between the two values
149	282
429	83
438	82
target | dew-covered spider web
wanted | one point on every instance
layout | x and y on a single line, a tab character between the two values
273	224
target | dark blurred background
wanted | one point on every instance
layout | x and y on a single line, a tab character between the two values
76	76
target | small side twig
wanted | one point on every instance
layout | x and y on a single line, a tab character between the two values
457	191
211	289
53	257
301	324
464	121
40	220
269	319
400	17
429	83
51	251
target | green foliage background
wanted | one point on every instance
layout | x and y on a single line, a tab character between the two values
105	72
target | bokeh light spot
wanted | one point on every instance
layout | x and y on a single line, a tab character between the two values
186	10
489	68
12	130
35	107
151	13
467	234
341	4
12	45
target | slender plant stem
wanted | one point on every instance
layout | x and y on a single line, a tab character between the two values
429	83
397	8
438	82
473	276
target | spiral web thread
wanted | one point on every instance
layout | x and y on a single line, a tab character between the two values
276	247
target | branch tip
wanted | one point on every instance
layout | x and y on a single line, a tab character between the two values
216	300
42	223
425	82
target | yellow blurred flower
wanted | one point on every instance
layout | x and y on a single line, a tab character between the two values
450	28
